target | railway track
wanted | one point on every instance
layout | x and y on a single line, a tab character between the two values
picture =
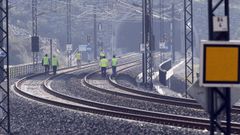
144	97
152	97
54	98
127	92
147	113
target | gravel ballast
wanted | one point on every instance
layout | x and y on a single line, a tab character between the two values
29	117
71	85
32	118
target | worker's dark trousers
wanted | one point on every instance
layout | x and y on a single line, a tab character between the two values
46	68
78	63
114	71
103	70
54	70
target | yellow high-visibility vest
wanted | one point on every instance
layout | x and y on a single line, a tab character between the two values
103	62
54	61
102	54
114	61
78	56
45	60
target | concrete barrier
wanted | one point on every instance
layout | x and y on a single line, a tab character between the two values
163	69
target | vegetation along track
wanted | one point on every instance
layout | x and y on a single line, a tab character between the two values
105	109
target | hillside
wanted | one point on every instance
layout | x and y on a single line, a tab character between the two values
120	25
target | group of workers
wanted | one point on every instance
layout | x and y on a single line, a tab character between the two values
103	63
47	62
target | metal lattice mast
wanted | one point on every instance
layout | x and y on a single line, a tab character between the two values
162	37
95	33
34	18
160	28
188	22
35	44
148	43
69	29
69	23
173	33
4	69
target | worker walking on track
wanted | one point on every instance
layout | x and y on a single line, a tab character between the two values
114	66
55	64
103	64
78	58
102	54
45	63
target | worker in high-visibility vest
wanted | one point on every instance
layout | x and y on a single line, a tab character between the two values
103	64
78	58
114	66
102	54
45	63
55	64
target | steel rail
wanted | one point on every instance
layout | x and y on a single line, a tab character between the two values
121	112
152	97
168	119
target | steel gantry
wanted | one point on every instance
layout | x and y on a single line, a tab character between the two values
4	69
147	40
35	38
188	22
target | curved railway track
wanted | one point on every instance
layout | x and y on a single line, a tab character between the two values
152	97
166	99
54	98
142	95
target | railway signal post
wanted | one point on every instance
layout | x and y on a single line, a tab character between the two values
219	80
35	37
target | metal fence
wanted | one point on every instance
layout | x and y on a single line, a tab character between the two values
24	69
